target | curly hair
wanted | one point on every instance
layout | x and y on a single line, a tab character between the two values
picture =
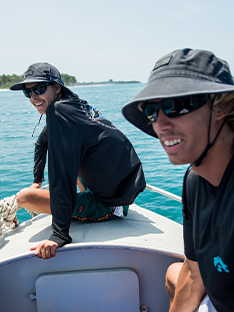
224	102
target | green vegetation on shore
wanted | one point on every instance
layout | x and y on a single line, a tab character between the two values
104	82
8	80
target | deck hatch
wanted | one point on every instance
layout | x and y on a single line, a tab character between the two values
113	290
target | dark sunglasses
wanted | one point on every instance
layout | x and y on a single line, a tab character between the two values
174	107
37	89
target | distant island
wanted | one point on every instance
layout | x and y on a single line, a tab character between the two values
104	82
70	81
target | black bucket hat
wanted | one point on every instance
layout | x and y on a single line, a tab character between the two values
180	73
40	72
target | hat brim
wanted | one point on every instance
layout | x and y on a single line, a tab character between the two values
164	88
21	85
135	116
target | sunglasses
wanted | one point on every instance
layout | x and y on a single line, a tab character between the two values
38	89
174	107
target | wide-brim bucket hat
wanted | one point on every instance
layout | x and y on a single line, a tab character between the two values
182	72
40	72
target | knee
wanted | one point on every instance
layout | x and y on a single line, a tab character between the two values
171	278
23	196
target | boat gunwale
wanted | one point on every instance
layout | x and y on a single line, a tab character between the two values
85	246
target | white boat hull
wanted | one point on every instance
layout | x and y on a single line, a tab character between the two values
142	247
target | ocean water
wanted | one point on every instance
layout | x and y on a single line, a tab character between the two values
18	118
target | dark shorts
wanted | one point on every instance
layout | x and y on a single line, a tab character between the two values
89	207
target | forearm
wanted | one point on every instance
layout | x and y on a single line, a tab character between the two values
189	289
40	156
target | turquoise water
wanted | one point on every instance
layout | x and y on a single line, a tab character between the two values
18	118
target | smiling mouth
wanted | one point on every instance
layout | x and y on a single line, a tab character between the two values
39	104
172	142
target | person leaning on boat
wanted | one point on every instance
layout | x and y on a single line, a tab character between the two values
80	142
188	104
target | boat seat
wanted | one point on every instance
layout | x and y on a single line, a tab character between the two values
112	290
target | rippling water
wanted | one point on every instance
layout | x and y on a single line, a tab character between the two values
18	118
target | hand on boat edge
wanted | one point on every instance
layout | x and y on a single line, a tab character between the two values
45	249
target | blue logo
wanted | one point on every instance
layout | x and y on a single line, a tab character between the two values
218	263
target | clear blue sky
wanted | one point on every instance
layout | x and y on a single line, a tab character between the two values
97	40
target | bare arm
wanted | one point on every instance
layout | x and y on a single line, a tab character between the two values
189	289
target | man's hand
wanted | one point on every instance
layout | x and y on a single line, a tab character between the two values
45	249
36	185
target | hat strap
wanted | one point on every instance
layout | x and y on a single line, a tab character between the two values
37	125
209	145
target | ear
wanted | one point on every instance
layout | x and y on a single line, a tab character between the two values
222	114
140	106
57	87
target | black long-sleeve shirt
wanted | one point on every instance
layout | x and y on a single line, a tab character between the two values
40	152
81	142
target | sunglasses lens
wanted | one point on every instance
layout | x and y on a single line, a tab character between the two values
151	112
168	107
174	107
27	93
38	90
181	106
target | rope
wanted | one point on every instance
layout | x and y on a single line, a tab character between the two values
8	209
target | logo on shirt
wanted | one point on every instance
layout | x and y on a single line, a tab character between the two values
95	113
220	265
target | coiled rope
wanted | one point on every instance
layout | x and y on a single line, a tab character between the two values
8	209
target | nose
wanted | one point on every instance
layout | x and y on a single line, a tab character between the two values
33	95
163	124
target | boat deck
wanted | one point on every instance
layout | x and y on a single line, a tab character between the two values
142	229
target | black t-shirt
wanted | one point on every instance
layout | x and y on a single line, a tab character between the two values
81	142
209	234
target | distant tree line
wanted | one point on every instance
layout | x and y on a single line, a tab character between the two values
68	80
111	81
8	80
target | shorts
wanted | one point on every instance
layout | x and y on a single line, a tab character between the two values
206	306
89	208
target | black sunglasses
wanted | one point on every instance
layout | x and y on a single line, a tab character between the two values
37	89
174	107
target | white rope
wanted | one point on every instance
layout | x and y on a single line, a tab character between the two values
8	209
